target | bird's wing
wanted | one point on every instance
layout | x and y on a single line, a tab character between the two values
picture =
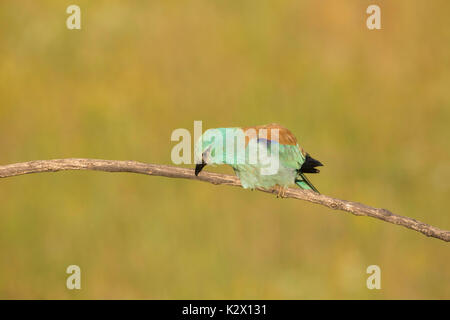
290	154
285	136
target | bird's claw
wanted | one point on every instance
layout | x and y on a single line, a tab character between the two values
281	191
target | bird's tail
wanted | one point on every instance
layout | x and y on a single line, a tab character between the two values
304	183
309	166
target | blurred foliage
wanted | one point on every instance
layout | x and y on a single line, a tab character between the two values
373	106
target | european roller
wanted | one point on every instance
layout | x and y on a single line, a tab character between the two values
266	156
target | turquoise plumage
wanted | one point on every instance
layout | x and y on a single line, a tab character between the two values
265	156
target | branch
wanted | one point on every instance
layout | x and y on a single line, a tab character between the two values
355	208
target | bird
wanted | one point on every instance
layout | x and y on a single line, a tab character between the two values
214	147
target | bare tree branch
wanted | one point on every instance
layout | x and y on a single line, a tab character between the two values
355	208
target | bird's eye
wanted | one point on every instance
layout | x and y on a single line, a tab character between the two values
206	154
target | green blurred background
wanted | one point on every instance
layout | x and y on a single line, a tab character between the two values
373	106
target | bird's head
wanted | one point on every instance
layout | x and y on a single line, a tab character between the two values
209	149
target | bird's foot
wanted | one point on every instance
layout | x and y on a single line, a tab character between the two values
281	191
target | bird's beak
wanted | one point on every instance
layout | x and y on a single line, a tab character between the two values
199	167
